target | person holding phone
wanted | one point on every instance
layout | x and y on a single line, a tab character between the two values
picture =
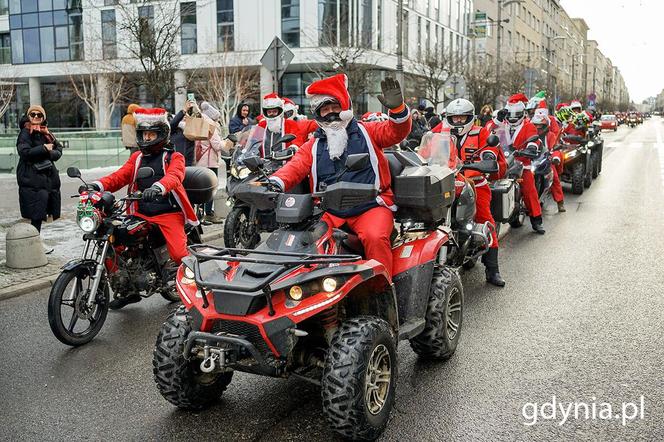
36	174
183	145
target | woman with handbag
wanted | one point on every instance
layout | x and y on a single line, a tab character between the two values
36	174
207	155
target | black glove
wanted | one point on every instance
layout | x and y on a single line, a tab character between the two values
89	188
151	194
392	96
501	115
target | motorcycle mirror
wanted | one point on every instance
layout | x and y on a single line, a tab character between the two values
144	172
285	139
73	172
492	141
253	163
357	161
232	137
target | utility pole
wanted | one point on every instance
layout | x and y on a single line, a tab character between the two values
548	58
400	42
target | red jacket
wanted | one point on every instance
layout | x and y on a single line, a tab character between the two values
378	136
171	182
301	129
519	138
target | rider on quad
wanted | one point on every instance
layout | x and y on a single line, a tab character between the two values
549	140
276	125
340	134
471	145
165	202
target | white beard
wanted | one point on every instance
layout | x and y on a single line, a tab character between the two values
337	141
274	125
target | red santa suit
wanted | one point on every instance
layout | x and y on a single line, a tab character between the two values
519	135
372	222
469	148
550	141
301	129
172	174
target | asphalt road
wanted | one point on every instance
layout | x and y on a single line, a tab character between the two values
581	319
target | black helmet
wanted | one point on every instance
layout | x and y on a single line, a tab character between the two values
152	120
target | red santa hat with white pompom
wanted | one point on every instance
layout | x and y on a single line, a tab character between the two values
272	100
150	116
329	90
517	103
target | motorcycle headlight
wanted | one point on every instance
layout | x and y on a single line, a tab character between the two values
590	144
571	154
243	173
88	224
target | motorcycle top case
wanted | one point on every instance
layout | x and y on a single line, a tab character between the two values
423	193
502	200
200	183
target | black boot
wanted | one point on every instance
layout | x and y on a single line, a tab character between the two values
536	222
122	301
490	260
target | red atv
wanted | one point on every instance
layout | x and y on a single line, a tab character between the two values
305	303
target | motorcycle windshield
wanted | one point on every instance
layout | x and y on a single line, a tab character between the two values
438	149
249	146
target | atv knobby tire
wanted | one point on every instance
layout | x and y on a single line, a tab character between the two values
578	175
345	391
179	380
444	317
588	178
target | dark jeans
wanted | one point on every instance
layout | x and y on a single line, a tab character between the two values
208	207
36	223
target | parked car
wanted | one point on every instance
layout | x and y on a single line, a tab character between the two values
609	122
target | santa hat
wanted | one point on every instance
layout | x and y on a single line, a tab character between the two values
289	104
542	107
561	105
210	111
329	89
150	116
575	103
541	116
516	103
270	101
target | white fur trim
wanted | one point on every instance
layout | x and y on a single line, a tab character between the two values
381	202
279	181
372	156
273	102
346	115
98	183
161	186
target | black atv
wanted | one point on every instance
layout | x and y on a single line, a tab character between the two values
577	163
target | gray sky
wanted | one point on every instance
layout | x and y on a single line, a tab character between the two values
629	32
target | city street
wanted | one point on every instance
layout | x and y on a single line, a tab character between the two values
579	320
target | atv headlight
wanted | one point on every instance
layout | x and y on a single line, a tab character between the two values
295	293
590	144
570	154
88	224
189	277
329	284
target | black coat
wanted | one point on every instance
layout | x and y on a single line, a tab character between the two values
38	192
181	144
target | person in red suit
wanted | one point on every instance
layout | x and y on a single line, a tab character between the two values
521	135
340	134
470	144
277	125
549	140
165	202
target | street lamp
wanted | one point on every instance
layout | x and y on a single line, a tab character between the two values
548	58
501	4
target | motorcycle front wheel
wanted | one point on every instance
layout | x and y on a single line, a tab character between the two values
70	318
239	230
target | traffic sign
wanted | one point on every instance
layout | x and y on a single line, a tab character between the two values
277	57
455	86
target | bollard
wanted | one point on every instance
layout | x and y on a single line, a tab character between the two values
24	247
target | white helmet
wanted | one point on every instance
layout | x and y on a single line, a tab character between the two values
460	107
576	104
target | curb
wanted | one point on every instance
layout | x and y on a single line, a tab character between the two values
47	281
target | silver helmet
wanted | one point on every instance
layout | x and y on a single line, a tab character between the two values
460	108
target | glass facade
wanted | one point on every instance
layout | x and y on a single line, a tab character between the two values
5	49
225	26
293	85
345	22
46	30
188	28
290	22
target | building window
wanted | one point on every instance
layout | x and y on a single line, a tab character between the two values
405	33
225	32
327	22
5	49
188	27
145	29
46	30
345	22
290	22
419	38
379	25
108	37
367	7
4	7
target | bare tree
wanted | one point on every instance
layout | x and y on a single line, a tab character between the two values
431	72
89	87
512	78
150	31
227	86
7	89
481	82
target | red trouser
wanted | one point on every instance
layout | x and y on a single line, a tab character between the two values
559	167
483	211
556	187
172	227
374	228
529	193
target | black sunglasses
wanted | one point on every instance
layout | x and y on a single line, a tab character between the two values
36	115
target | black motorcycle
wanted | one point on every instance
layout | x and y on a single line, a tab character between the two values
124	254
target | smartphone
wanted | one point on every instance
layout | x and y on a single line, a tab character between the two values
190	97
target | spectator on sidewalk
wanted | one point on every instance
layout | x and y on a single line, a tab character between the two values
129	129
485	115
183	145
241	119
36	174
207	151
431	117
